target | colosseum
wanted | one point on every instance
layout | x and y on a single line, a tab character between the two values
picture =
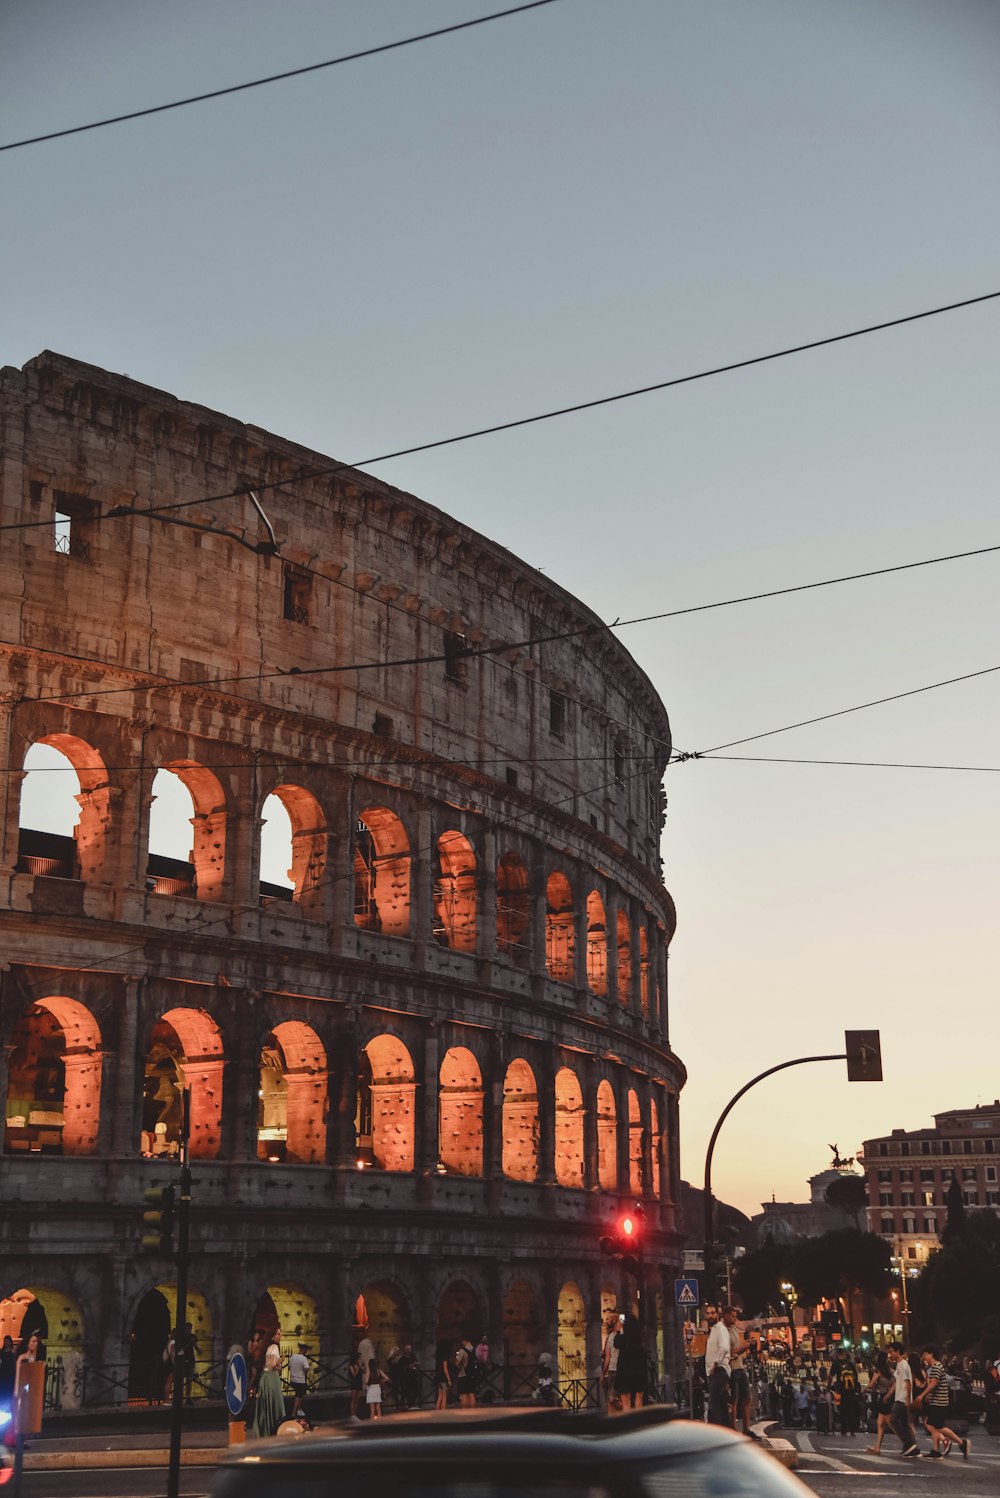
408	957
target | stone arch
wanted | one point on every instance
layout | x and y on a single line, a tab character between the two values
198	1312
607	1137
382	1313
54	1082
292	1098
644	973
304	846
635	1173
460	1313
460	1113
58	1321
291	1310
624	959
381	873
387	1076
520	1123
572	1334
455	895
597	945
523	1329
149	1335
203	872
654	1134
560	928
185	1050
569	1129
78	850
513	909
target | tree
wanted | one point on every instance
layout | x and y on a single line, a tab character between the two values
849	1195
955	1227
957	1298
839	1265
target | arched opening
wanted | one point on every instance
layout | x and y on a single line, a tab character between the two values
193	863
624	959
520	1123
597	945
386	1100
185	1050
654	1125
513	909
381	873
644	967
460	1313
635	1180
292	847
523	1334
560	941
65	810
286	1314
572	1335
54	1083
460	1114
607	1137
382	1314
569	1129
200	1319
455	893
58	1323
147	1369
292	1097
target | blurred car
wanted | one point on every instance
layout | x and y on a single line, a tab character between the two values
538	1453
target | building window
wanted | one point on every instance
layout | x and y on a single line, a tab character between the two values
74	525
993	1198
966	1146
969	1173
927	1175
885	1177
946	1146
511	777
455	657
927	1197
619	761
911	1248
925	1146
888	1226
906	1175
297	595
907	1199
382	727
991	1172
930	1224
904	1148
883	1148
971	1198
885	1199
557	714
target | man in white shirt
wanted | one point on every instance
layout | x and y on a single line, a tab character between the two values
718	1365
298	1376
902	1400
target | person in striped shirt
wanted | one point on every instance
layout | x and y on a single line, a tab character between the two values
933	1404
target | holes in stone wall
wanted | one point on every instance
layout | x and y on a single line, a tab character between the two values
635	1141
572	1334
455	893
569	1129
560	937
520	1123
624	959
54	1086
381	873
597	945
460	1113
292	1097
607	1137
185	1050
513	909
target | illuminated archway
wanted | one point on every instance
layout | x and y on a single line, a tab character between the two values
597	945
523	1332
560	937
635	1174
381	1312
569	1129
65	809
624	959
292	1098
147	1370
520	1123
607	1137
185	1050
644	978
654	1125
292	847
386	1101
513	909
58	1322
460	1113
572	1334
455	897
173	868
54	1084
381	873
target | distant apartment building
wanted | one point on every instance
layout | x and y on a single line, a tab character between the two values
785	1221
909	1173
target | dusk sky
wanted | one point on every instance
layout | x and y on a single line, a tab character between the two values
557	206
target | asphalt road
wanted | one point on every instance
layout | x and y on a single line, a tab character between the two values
839	1467
114	1482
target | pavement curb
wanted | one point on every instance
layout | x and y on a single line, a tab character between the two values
783	1451
63	1461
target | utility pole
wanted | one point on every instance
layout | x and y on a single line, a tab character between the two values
182	1349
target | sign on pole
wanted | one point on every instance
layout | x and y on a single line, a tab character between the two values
686	1293
864	1055
236	1384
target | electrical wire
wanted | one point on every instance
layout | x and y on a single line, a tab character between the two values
119	512
313	67
865	764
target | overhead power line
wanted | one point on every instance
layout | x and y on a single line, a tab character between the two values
122	512
313	67
864	764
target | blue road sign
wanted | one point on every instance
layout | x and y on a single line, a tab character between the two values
686	1293
236	1384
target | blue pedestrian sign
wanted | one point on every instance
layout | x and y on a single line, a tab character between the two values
686	1293
236	1384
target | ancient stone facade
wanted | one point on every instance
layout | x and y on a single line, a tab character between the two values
431	1059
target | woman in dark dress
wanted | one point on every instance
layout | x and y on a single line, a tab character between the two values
631	1375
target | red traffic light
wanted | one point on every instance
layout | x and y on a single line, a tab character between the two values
628	1226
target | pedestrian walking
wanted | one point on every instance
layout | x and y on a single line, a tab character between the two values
632	1373
850	1401
609	1359
373	1394
934	1401
717	1369
442	1376
298	1377
902	1400
270	1408
880	1392
465	1368
739	1382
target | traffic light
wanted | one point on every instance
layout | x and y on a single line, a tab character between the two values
158	1221
625	1242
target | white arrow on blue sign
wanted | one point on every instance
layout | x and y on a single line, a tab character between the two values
236	1384
686	1293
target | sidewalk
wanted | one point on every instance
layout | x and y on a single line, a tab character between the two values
199	1448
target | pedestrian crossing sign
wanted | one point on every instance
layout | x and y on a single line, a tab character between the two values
686	1293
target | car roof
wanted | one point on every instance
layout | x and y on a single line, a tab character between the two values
502	1435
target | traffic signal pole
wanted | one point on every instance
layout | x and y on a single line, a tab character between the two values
864	1064
182	1351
